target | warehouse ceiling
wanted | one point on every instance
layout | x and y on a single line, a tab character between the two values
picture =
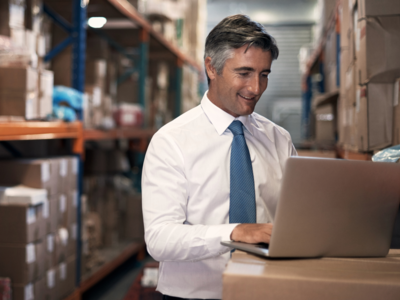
267	12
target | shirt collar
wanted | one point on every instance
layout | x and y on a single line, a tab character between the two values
221	119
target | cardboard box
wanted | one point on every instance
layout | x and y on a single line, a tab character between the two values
50	250
60	280
96	72
377	44
347	108
22	263
67	174
50	284
66	277
52	221
34	173
11	15
325	125
18	78
46	83
72	206
23	104
22	223
373	8
45	107
346	124
374	116
396	113
250	277
33	15
34	290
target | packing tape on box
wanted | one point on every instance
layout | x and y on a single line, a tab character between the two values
29	295
74	231
63	203
75	198
63	235
30	215
30	253
75	166
51	274
50	243
46	209
63	271
45	171
63	167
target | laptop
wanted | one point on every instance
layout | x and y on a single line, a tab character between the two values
332	208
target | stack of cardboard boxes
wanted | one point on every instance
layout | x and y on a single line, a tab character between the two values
114	213
370	66
38	243
25	86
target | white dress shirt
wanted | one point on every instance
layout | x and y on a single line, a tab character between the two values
185	190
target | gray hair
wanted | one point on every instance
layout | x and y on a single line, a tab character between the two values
232	33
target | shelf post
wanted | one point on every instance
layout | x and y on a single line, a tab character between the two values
79	21
178	88
143	65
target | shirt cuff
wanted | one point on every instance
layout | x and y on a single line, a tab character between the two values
216	234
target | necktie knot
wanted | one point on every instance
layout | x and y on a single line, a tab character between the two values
236	127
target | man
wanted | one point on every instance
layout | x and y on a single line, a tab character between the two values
215	170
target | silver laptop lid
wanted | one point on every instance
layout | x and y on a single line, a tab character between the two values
331	207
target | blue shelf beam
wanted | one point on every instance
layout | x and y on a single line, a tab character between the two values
57	49
60	21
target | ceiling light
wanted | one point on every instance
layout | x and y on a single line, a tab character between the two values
97	22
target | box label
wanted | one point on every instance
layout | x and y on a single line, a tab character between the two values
30	215
50	243
63	167
75	166
29	295
75	198
29	109
63	271
63	203
74	231
45	171
51	279
30	253
63	234
46	209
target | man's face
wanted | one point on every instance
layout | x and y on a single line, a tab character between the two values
243	80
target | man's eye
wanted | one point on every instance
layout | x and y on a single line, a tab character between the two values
244	74
265	75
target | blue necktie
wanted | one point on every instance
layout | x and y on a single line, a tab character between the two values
242	196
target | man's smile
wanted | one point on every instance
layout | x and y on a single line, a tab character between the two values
247	98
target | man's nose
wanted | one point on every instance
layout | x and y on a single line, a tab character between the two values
254	86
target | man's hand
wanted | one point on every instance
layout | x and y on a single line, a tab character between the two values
252	233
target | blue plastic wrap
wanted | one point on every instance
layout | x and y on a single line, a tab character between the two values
64	113
68	96
391	154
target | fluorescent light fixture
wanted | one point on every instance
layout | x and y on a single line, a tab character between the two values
263	17
97	22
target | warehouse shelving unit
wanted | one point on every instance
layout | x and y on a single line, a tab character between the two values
150	45
314	64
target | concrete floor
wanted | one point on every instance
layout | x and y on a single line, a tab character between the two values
116	285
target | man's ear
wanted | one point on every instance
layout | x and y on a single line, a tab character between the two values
211	72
